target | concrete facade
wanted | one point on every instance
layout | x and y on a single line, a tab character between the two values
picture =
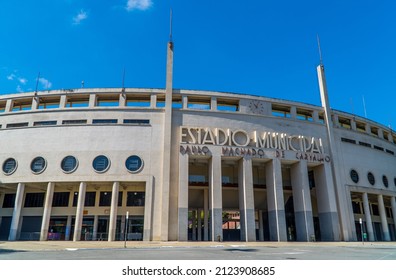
191	165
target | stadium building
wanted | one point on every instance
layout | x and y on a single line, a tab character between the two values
166	164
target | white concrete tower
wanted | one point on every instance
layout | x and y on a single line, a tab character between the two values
166	160
344	207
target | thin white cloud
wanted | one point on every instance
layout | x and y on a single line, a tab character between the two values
138	5
45	83
23	81
19	89
82	15
11	77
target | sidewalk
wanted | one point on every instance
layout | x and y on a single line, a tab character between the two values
70	245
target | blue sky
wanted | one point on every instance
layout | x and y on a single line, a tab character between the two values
259	47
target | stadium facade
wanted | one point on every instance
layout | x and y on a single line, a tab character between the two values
166	164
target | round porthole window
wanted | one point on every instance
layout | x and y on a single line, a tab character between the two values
38	165
370	178
385	181
134	164
101	164
354	176
9	166
69	164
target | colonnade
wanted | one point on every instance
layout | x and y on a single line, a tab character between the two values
213	201
79	214
382	213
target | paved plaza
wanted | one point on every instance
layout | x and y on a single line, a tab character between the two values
54	250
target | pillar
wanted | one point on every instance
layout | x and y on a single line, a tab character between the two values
302	201
206	215
113	211
47	211
16	214
393	204
367	215
148	206
246	200
68	228
215	199
194	225
183	198
327	205
95	229
199	225
79	212
261	225
275	201
384	222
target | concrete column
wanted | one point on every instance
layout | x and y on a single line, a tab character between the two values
95	228
92	100
275	201
194	225
63	101
113	211
183	197
215	199
246	200
184	101
206	215
122	101
367	215
153	101
68	228
16	214
213	103
302	201
326	201
315	116
261	225
79	212
293	112
148	206
35	103
9	105
384	221
47	211
393	203
199	225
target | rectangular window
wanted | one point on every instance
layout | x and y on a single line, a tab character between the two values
304	115
61	199
347	140
364	144
356	207
198	104
227	105
378	148
89	199
138	122
374	131
281	111
34	200
119	199
105	121
105	199
49	102
374	208
345	123
77	101
177	102
43	123
390	152
361	127
107	100
74	122
135	198
9	200
22	105
15	125
133	100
